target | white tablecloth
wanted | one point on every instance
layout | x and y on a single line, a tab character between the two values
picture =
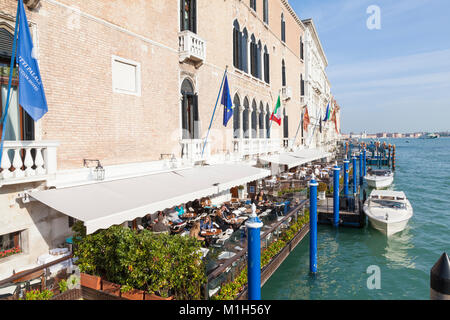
47	258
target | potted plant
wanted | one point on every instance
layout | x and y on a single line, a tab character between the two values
322	189
89	281
132	294
111	288
152	296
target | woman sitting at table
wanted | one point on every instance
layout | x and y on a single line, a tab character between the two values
206	224
195	230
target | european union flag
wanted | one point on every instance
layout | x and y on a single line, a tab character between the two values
31	92
227	103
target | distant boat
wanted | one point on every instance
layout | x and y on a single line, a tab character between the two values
430	136
379	178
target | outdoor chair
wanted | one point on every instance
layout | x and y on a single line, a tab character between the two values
224	236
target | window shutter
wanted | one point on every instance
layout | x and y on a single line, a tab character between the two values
184	117
196	117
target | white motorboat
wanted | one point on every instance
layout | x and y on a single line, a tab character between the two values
388	211
379	178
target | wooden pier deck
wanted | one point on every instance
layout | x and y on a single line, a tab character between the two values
349	215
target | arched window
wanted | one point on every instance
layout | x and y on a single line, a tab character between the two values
245	119
266	11
254	120
301	49
237	43
189	112
283	28
20	126
253	4
267	121
285	124
266	65
236	117
261	120
258	61
188	15
283	74
253	54
244	46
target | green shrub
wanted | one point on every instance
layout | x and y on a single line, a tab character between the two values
162	264
63	286
39	295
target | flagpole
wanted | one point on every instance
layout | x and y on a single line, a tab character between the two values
11	69
214	112
271	121
299	124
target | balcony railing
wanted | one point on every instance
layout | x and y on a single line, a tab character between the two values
26	161
286	93
249	147
191	47
192	150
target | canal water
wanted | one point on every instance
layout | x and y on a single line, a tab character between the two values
404	259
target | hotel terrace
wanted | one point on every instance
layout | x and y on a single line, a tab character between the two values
131	90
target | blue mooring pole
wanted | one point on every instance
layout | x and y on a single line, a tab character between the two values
364	163
354	175
254	226
336	176
361	168
346	172
313	225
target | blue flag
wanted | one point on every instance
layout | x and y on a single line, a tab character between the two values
327	114
227	103
31	91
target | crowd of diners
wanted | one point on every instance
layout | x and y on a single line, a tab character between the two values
211	223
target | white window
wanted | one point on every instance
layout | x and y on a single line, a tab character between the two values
126	76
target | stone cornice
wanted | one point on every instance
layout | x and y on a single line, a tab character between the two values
293	14
310	23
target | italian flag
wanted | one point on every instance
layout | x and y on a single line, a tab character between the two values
276	115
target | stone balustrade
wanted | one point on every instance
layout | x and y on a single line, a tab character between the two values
24	161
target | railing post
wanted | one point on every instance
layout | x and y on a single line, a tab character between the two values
313	225
50	159
336	176
254	226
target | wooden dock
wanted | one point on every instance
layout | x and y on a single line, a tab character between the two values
350	213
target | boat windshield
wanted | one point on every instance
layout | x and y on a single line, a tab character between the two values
380	173
390	204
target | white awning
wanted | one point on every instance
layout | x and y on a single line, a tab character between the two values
298	158
104	204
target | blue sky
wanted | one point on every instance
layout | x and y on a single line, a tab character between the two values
395	79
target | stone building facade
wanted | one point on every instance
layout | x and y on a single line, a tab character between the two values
133	85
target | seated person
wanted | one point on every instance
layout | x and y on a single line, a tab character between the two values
180	210
160	225
206	224
173	215
195	230
261	197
